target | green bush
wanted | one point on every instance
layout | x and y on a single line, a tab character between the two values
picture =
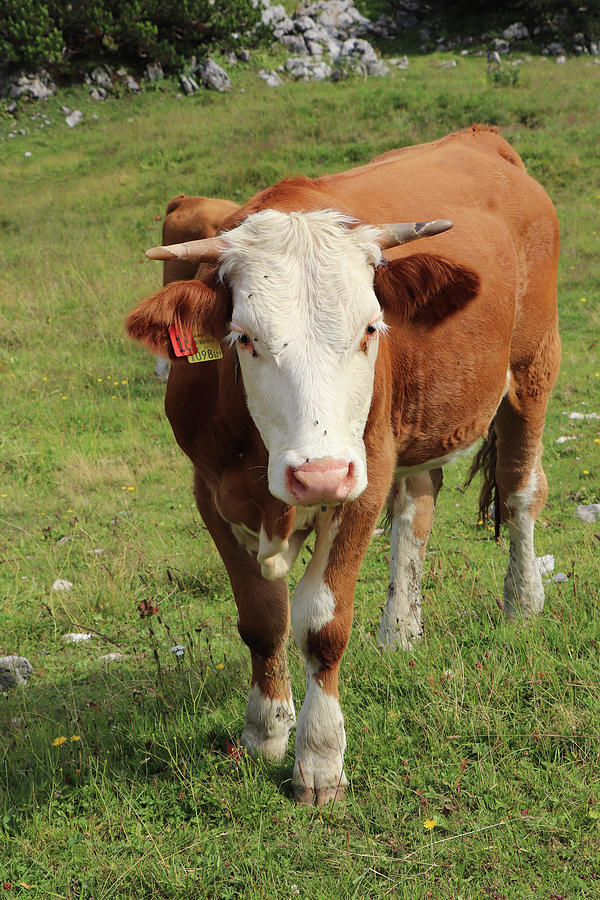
166	31
28	34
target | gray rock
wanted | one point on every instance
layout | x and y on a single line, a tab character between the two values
188	85
501	45
294	43
561	60
401	63
153	72
243	55
101	77
286	26
131	84
589	512
362	58
555	48
271	77
213	76
303	23
594	48
272	15
39	86
61	584
516	32
77	638
14	670
110	658
98	93
12	107
74	118
560	578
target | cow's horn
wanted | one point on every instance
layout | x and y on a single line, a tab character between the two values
403	232
208	249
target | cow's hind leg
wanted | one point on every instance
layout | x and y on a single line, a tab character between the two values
263	623
520	479
411	508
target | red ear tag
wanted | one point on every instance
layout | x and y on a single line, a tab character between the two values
182	341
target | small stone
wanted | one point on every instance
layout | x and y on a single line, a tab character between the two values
109	658
14	670
61	584
28	153
561	60
77	638
74	118
545	564
97	552
189	85
560	578
588	512
449	64
131	84
579	416
566	437
270	77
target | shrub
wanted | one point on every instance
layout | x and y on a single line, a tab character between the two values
165	31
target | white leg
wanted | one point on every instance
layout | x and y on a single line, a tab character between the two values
320	736
523	588
401	623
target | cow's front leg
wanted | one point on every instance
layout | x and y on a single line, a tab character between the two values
321	623
263	623
411	507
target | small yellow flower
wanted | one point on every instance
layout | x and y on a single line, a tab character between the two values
124	382
59	741
131	489
429	824
586	472
220	666
99	379
75	737
583	300
116	383
596	441
44	378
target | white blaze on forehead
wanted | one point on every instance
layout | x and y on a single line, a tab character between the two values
302	286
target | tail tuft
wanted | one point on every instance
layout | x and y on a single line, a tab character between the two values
485	462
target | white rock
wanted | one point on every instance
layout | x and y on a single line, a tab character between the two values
566	437
589	512
581	417
14	670
109	658
560	578
545	564
61	584
75	638
74	119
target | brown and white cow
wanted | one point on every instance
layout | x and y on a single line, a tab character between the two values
189	218
360	375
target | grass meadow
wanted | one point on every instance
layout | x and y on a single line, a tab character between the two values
490	729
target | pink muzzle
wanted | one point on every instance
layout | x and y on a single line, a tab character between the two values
321	481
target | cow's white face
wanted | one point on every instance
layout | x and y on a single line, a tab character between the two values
306	325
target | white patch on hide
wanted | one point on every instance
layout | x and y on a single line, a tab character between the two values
401	622
268	725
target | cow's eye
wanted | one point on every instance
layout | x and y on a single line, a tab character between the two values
243	339
371	329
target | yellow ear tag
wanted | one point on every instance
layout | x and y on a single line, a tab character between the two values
207	349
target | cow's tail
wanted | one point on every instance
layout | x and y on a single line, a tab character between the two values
485	462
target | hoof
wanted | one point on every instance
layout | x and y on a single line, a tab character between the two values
306	795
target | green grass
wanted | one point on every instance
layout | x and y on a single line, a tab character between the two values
491	729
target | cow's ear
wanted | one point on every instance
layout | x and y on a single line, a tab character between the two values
424	288
190	305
